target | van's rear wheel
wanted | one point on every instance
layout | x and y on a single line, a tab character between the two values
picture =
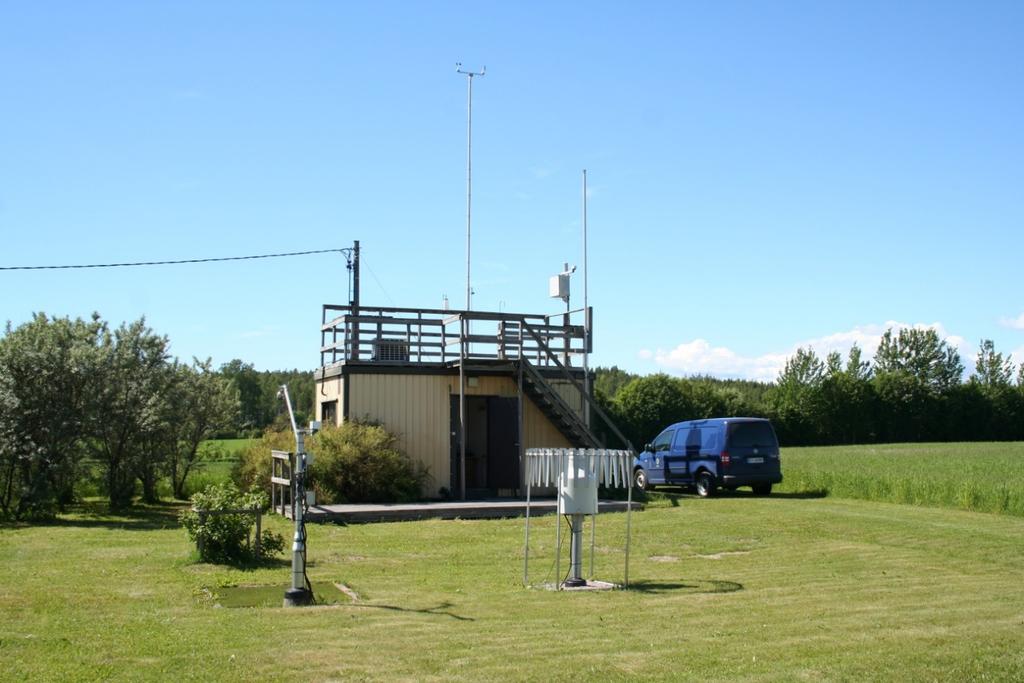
762	489
705	484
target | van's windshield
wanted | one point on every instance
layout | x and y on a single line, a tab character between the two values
751	434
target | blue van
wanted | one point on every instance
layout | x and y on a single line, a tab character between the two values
724	451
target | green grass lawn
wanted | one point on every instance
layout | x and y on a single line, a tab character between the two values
229	448
984	477
735	589
218	458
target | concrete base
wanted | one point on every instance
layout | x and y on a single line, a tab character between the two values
297	597
590	586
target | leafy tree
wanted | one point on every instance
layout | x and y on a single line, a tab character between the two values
200	403
915	373
992	369
257	393
48	371
253	412
648	404
796	400
999	406
922	355
128	412
847	399
608	381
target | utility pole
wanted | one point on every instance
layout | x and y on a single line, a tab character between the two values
469	170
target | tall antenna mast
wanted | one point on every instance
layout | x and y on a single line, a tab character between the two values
469	170
586	308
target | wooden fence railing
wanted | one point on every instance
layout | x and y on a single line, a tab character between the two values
282	464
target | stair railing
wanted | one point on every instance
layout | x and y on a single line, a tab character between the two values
559	403
541	344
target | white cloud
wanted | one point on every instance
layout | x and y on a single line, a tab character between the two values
700	357
1018	355
1013	323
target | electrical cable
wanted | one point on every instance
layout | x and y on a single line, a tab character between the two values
305	575
568	522
180	262
302	536
375	279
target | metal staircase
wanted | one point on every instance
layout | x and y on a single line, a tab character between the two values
555	408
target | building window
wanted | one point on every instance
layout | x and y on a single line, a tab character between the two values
329	412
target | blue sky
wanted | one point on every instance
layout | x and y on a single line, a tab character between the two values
762	175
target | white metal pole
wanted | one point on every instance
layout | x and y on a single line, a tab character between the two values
469	171
526	542
558	524
469	187
586	312
462	408
629	515
298	594
298	505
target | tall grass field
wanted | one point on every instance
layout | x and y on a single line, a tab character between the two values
982	477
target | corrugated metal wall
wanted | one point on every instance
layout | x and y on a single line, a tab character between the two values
331	389
417	409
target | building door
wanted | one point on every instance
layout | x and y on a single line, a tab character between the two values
502	443
492	445
456	470
475	467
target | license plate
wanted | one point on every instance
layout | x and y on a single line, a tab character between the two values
755	461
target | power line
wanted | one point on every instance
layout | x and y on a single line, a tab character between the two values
176	263
377	280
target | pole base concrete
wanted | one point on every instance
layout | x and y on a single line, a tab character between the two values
297	597
574	583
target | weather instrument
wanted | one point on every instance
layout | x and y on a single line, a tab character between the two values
301	591
577	472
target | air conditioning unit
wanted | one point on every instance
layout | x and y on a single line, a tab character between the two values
391	350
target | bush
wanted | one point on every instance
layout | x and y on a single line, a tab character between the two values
252	473
225	538
359	463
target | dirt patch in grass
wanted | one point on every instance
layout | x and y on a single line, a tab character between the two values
726	553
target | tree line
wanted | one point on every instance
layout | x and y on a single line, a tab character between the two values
82	402
911	390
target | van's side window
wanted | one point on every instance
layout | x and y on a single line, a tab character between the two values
710	444
664	440
693	441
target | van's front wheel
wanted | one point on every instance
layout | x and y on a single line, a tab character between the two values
640	480
705	484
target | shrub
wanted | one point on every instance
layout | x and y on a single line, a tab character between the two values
360	463
225	538
252	473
